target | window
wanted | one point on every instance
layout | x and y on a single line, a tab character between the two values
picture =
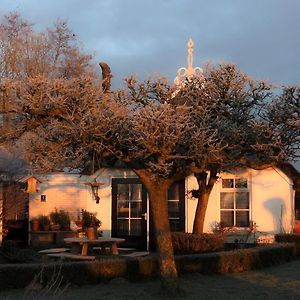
176	206
129	209
234	202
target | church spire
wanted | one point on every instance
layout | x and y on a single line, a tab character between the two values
188	73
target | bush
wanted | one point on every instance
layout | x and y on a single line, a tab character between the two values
89	220
61	218
44	222
188	243
289	238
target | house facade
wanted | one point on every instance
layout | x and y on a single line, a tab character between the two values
266	197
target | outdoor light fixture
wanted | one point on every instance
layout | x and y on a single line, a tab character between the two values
95	187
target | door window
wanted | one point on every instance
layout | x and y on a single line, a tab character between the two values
129	209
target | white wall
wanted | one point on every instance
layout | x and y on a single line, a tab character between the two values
271	201
68	192
270	193
63	191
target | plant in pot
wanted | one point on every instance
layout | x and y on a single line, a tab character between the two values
44	222
90	224
35	224
54	217
60	220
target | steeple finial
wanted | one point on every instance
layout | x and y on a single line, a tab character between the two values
188	73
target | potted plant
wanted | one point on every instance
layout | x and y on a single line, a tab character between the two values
44	222
60	220
35	224
90	224
54	217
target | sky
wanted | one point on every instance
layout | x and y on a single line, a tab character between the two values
148	38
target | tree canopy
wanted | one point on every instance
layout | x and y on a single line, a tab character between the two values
56	114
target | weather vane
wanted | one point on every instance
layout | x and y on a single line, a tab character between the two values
188	73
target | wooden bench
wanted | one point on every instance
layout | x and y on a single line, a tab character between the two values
120	250
70	256
45	252
136	254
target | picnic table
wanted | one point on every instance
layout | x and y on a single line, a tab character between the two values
81	245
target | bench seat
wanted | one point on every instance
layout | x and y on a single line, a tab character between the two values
53	250
70	256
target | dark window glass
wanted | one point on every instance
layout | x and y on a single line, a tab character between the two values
135	227
242	218
135	209
227	183
175	225
173	207
242	200
136	192
173	192
123	192
123	209
227	218
241	183
123	226
227	200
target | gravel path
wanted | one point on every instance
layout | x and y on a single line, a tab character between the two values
280	282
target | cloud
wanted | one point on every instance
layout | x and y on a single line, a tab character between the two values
146	37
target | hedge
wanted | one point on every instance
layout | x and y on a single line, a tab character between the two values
188	243
103	270
289	238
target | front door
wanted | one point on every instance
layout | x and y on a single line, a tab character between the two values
129	212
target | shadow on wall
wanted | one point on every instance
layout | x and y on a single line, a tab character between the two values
276	208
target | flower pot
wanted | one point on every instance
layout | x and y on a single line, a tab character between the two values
297	226
35	225
55	227
91	233
46	227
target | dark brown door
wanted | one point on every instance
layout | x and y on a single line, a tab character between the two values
129	212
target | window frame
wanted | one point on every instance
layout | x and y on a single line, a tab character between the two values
235	190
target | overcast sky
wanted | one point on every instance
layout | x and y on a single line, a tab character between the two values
149	37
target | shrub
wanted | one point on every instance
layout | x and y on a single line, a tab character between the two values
89	220
44	222
188	243
289	238
61	218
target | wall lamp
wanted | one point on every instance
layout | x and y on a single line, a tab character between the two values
95	189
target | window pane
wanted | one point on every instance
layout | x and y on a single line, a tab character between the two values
123	209
242	218
242	200
173	207
135	227
135	209
227	183
173	192
227	200
175	225
227	218
241	183
122	227
123	192
136	191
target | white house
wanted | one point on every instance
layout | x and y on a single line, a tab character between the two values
266	197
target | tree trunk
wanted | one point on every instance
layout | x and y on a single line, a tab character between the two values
203	197
157	189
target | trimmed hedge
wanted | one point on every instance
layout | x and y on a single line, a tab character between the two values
188	243
289	238
80	273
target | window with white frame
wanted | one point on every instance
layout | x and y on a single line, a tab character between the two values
234	202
